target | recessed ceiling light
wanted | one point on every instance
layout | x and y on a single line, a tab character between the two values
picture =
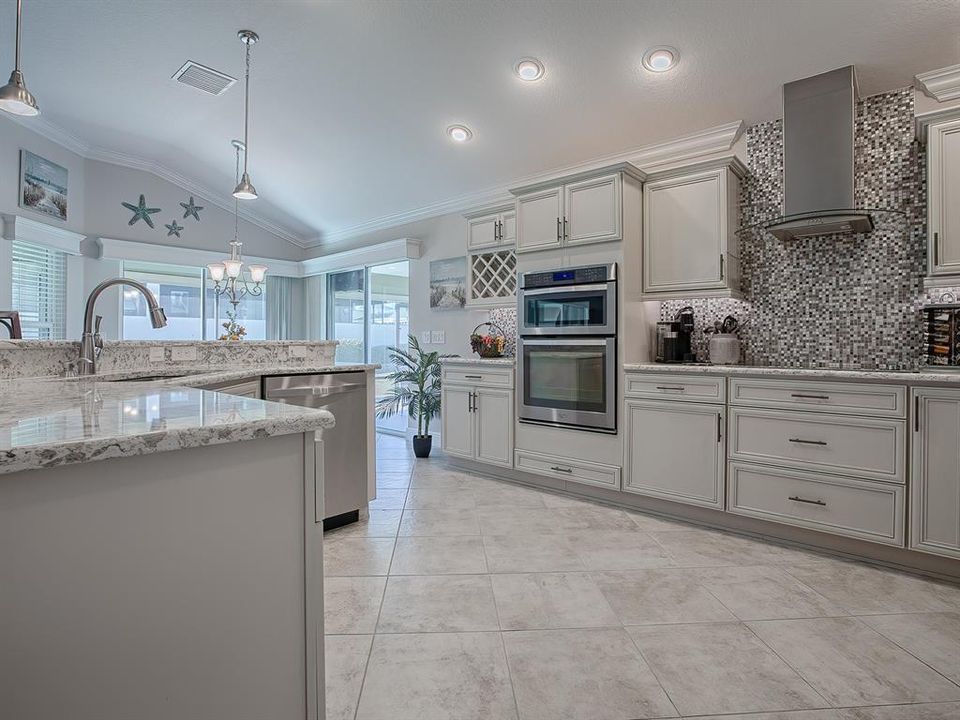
529	69
459	133
661	59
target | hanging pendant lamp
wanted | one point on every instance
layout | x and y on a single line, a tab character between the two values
245	189
14	96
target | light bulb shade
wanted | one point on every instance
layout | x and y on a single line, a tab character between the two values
216	271
245	189
16	99
233	268
257	272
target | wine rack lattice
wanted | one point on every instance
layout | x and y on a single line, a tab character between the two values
493	276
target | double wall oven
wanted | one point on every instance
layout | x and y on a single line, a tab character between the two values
567	348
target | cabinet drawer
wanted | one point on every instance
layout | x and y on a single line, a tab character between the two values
696	388
581	471
858	508
816	396
500	376
864	447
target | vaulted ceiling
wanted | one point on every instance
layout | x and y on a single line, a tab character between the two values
350	99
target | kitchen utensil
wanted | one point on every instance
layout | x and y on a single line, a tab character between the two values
730	324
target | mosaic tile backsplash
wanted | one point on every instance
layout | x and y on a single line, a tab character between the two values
845	300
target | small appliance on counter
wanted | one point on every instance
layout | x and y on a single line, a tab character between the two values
941	334
673	338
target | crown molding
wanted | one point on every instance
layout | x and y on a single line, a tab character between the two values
74	144
24	229
718	139
942	84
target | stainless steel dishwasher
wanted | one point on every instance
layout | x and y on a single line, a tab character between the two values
344	446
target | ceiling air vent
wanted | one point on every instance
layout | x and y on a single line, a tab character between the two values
203	78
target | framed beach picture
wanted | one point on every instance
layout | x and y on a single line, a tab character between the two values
448	283
43	185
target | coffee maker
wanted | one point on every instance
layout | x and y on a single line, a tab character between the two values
673	338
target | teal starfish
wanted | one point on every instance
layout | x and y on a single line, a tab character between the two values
141	212
191	209
173	229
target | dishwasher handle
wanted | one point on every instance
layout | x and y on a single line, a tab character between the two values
315	390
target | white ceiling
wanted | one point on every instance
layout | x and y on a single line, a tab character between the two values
350	99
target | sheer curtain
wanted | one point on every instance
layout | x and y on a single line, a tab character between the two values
285	308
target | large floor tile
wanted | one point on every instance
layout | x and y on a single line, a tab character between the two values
431	498
498	494
441	603
650	597
765	593
393	481
655	522
437	676
850	664
932	637
868	590
721	668
345	662
389	499
440	521
619	550
550	600
441	555
926	711
378	523
530	553
440	479
357	556
710	548
593	519
788	715
501	520
351	604
582	675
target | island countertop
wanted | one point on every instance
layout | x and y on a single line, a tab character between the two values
46	422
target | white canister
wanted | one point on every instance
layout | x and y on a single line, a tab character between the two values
724	349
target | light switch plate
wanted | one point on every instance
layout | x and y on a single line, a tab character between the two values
183	354
156	354
425	337
438	337
298	351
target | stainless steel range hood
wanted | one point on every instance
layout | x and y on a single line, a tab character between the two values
819	115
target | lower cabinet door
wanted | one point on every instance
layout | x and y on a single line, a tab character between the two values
675	451
494	426
935	499
457	421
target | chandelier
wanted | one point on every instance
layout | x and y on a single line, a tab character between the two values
229	279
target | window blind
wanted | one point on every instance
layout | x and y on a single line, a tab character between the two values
39	290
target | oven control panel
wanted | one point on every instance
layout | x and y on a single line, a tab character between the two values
570	276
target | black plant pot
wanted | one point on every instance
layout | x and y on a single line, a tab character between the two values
422	445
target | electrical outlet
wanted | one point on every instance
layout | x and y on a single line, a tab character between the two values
438	337
297	351
183	354
156	354
425	337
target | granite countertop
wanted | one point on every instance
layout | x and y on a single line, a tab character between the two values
46	422
508	361
887	376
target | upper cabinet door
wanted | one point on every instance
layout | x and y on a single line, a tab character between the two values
935	482
593	211
540	220
687	236
943	159
483	232
508	228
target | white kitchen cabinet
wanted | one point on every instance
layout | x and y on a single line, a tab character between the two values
477	415
491	228
600	206
935	482
943	187
690	245
675	451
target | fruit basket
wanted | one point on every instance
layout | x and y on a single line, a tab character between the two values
488	345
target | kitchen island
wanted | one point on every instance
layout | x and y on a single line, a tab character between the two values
161	552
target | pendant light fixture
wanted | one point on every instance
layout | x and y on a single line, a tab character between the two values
245	189
14	96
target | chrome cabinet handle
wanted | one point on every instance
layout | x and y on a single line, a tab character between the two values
936	249
474	377
804	500
470	402
810	397
558	229
719	427
807	442
916	413
566	234
560	469
681	388
721	267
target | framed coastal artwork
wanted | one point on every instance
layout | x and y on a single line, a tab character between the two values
448	283
43	185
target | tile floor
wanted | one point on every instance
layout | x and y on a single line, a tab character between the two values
466	598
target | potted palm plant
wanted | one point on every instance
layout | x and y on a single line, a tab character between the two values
416	386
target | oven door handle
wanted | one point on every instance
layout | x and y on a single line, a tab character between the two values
563	289
565	342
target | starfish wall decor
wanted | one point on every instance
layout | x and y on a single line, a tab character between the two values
173	228
140	212
191	208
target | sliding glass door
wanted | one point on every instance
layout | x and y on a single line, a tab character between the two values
368	312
